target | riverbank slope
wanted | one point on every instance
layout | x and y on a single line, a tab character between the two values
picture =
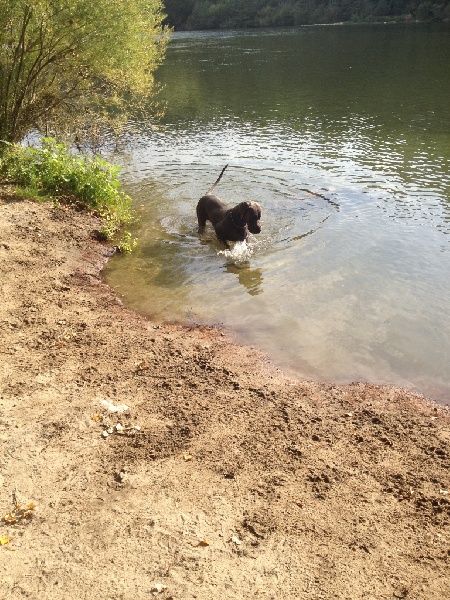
224	478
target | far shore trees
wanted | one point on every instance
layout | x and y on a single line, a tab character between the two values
230	14
77	69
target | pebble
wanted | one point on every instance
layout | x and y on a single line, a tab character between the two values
158	588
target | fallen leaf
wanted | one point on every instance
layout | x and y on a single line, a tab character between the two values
187	457
19	513
203	543
5	539
97	417
10	518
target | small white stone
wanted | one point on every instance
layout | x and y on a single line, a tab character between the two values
114	409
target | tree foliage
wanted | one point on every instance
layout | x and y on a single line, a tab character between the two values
52	171
214	14
75	66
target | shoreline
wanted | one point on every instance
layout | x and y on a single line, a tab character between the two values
378	21
226	476
438	396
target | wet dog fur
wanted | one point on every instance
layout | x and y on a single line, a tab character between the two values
230	224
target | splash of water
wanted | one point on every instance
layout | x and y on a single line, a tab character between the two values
240	252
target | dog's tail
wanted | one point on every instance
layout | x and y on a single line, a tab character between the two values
217	181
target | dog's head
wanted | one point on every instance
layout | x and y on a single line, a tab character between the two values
250	212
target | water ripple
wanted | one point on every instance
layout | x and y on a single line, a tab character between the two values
350	276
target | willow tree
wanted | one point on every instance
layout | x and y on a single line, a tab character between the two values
78	67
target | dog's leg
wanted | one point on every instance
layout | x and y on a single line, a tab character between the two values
225	243
201	216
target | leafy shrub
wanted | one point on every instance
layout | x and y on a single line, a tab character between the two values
52	171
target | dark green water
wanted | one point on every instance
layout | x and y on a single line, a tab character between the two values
342	134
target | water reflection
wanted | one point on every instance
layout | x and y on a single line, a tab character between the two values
251	279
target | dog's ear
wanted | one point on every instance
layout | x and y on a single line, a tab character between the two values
244	206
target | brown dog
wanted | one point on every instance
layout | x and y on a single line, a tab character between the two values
230	224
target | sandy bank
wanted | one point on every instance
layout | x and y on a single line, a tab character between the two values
228	479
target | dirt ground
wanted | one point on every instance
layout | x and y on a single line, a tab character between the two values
223	478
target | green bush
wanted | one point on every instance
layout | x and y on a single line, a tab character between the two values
53	172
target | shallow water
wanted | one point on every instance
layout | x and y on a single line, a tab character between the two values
342	134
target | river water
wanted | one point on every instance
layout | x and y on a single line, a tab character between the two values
342	134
